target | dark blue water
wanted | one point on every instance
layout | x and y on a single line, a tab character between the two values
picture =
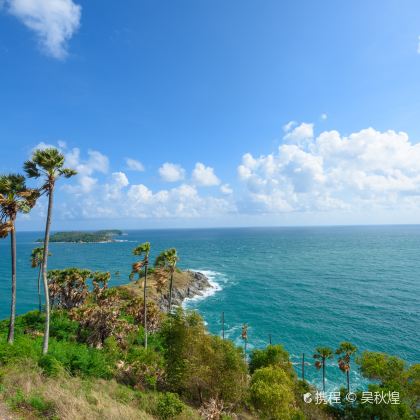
304	286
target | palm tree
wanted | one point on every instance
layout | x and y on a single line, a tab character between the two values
345	351
142	250
49	164
168	259
36	262
15	198
322	354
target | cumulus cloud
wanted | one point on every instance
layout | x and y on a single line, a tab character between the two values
204	175
366	169
300	134
119	199
53	21
134	165
171	172
86	168
226	189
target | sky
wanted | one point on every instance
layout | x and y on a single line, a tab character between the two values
207	113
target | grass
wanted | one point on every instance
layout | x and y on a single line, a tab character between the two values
182	279
33	395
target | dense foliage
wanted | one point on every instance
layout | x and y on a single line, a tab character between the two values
81	236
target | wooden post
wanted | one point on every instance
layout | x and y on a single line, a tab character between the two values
223	325
303	366
270	338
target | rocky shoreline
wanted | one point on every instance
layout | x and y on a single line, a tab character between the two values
196	285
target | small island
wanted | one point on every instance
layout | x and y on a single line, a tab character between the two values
85	237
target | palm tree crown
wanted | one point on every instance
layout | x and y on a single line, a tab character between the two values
15	198
167	260
48	163
141	250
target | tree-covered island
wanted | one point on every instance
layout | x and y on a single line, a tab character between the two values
85	237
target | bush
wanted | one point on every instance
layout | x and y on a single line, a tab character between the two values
272	355
50	365
78	359
272	393
169	405
24	347
200	366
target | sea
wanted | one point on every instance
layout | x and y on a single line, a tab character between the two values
301	287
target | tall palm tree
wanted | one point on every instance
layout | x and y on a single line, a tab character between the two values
48	164
168	259
36	262
322	354
142	250
15	198
346	350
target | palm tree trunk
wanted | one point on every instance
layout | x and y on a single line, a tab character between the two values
170	291
39	288
145	306
348	380
11	335
44	271
323	374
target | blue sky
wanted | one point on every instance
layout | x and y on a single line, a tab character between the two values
209	88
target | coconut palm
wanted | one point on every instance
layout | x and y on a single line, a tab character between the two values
168	259
36	262
346	350
322	354
144	251
48	164
15	198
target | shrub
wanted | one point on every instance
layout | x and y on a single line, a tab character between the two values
201	366
380	366
169	405
78	359
50	365
272	355
272	393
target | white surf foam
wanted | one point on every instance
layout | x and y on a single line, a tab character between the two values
215	279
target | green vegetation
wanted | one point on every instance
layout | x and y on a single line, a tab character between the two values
84	237
112	353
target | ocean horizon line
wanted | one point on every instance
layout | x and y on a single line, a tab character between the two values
227	227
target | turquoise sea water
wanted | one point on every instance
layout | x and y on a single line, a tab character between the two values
304	286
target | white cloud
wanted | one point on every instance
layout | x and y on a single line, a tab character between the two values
226	189
96	162
367	169
204	175
134	165
53	21
324	116
118	199
300	133
171	172
288	126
